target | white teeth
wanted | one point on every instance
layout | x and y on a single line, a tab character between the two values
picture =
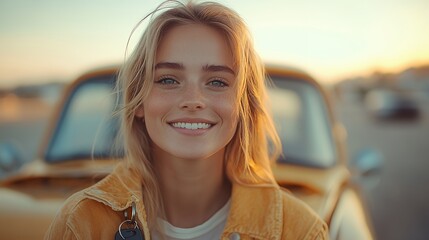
192	126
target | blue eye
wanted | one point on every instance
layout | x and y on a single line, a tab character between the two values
167	81
218	83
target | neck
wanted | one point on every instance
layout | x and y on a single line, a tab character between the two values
192	190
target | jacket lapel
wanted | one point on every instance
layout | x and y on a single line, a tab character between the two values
255	212
118	190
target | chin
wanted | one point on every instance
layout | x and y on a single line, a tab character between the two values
196	152
194	155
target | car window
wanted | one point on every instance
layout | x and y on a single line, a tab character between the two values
86	128
301	119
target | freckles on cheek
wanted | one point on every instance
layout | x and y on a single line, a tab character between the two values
156	104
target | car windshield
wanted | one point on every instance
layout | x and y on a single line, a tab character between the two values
87	130
301	118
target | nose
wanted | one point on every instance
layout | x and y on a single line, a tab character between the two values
192	98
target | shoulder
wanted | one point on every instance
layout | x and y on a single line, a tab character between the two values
79	218
267	212
300	221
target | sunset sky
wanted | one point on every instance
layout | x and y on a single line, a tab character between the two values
331	39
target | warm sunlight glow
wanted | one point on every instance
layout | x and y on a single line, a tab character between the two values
332	40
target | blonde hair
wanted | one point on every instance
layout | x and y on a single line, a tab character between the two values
247	156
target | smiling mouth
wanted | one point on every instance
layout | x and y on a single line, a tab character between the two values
191	126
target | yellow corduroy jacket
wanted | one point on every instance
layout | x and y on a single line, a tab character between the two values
256	212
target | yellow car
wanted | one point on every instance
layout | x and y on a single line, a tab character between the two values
77	152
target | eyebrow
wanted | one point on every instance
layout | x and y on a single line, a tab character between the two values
218	68
169	65
207	68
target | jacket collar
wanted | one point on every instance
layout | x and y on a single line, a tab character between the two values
255	211
118	190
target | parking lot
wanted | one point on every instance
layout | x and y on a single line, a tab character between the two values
399	202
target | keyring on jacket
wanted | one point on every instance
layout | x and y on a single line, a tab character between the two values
126	221
133	213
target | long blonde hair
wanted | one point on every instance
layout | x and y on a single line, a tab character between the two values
247	156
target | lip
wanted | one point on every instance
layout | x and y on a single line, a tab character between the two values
191	120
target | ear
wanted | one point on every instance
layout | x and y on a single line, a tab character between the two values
139	111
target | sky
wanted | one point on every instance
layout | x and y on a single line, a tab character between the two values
46	40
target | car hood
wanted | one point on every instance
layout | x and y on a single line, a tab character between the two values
319	188
31	197
68	169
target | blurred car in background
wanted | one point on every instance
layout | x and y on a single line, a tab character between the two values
385	104
77	152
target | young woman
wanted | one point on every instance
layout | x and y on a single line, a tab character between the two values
196	131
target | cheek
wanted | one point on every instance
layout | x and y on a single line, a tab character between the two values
155	106
228	109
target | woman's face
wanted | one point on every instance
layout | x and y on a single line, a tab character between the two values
191	111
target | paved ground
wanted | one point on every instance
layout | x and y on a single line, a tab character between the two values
400	201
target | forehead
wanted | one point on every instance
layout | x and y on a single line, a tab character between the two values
194	44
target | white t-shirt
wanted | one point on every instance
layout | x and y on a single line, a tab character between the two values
209	230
